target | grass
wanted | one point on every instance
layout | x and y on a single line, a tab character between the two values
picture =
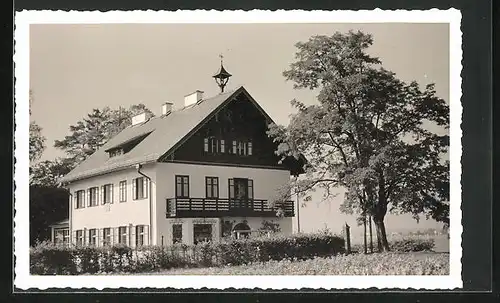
421	263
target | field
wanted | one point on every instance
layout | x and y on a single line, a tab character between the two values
420	263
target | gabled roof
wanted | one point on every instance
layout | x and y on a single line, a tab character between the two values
166	133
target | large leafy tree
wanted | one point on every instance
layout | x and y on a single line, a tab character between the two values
369	133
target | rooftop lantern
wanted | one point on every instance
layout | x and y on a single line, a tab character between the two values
222	76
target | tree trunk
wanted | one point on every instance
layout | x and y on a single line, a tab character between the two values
383	244
364	235
371	234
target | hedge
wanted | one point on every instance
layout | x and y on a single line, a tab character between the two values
403	245
48	259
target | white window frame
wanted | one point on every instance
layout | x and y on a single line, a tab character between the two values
144	184
140	231
93	199
93	239
80	240
80	199
123	235
123	190
107	240
107	197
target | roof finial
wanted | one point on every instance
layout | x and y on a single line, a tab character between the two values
222	76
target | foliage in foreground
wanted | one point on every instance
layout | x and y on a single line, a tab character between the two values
49	259
356	264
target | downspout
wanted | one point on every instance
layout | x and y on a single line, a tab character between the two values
138	167
70	213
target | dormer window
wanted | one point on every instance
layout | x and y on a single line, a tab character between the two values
126	146
115	152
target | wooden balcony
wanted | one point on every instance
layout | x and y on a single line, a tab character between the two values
219	207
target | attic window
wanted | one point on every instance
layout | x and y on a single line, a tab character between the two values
126	145
115	152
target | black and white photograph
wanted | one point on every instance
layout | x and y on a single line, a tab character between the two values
238	149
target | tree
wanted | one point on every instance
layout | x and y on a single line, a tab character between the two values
37	141
96	129
368	133
48	173
47	206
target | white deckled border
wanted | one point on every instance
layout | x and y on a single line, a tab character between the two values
23	279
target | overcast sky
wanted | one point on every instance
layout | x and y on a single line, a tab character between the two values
75	68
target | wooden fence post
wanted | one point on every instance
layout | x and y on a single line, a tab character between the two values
347	238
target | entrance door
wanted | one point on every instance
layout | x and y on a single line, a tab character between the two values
238	193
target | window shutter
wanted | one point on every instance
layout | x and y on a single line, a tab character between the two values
250	188
134	189
231	188
146	235
111	194
117	235
75	200
133	240
145	187
85	242
86	197
102	195
100	237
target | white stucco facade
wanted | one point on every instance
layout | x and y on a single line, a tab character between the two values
158	227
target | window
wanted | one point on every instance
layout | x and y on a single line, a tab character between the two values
107	193
80	199
213	145
241	189
122	235
93	196
79	237
202	232
93	237
139	235
250	189
212	187
123	191
181	186
115	152
235	144
61	236
177	233
222	146
106	236
242	148
140	188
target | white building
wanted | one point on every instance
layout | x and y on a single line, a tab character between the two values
192	174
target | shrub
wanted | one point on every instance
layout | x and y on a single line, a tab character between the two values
412	245
409	244
50	259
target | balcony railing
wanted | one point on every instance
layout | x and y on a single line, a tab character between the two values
220	207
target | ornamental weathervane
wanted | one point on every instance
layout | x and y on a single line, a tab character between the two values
222	76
